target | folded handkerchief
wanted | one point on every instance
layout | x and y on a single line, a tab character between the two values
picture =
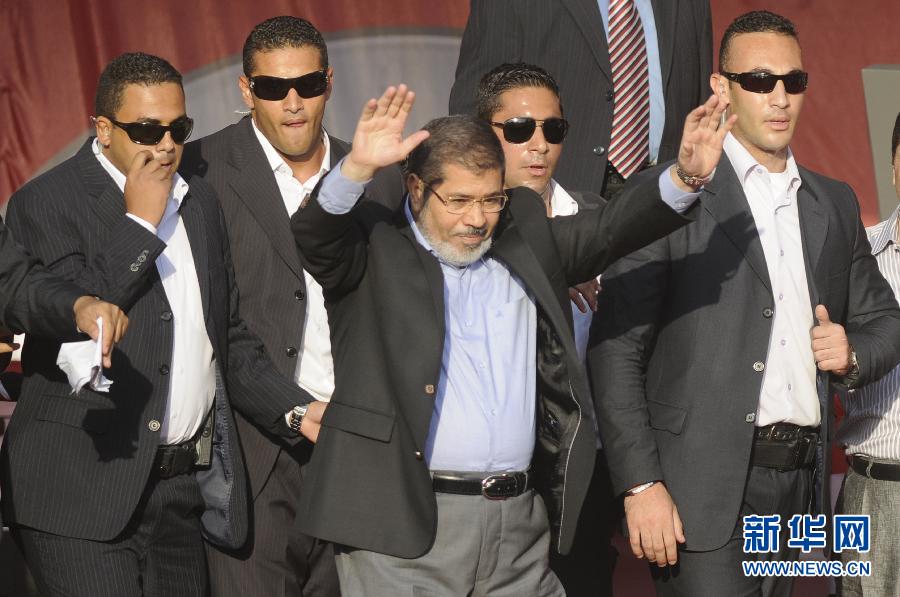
82	362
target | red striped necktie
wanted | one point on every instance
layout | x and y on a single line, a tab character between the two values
630	139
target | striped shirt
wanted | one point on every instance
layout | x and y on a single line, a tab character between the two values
871	426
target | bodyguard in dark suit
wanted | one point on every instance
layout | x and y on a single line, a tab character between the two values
108	493
263	169
717	344
458	385
569	38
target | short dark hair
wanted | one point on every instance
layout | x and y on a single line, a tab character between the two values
895	138
757	21
282	32
133	68
459	139
509	76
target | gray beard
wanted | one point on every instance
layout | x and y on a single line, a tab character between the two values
451	254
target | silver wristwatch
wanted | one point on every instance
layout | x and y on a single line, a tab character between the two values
295	419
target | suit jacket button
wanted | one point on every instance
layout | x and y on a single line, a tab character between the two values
751	417
419	456
164	369
599	150
134	267
166	316
299	295
429	389
153	425
609	95
759	366
291	351
768	313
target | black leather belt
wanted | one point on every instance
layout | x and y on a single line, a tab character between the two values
882	471
175	459
494	487
785	446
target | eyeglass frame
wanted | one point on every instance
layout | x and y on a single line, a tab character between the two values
471	202
736	78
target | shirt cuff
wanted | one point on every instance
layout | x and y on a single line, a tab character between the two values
143	223
672	195
339	194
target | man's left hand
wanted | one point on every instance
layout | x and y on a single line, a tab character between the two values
87	309
312	420
830	345
584	295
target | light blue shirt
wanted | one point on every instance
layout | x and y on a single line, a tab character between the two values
657	99
484	408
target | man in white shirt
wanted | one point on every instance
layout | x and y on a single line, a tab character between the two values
522	103
716	345
870	434
264	168
111	494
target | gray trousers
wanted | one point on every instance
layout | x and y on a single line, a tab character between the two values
482	548
881	501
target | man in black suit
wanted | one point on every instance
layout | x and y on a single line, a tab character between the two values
108	493
458	385
711	406
263	169
666	51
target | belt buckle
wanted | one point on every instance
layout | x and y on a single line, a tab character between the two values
500	487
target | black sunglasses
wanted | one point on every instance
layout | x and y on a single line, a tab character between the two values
760	82
275	88
148	133
521	129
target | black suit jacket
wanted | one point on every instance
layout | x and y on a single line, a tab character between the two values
31	297
267	268
682	325
369	486
566	38
76	465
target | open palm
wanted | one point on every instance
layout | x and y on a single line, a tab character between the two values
703	137
378	140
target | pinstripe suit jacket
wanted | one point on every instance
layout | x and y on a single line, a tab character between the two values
76	465
566	38
267	269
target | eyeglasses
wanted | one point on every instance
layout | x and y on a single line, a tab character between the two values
275	88
148	133
521	129
460	205
762	82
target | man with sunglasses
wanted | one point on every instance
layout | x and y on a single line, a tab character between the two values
458	420
111	494
521	101
629	70
264	169
716	345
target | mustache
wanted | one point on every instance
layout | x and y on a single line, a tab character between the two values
472	230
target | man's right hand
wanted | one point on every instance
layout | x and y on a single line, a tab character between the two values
87	309
147	187
654	527
378	140
312	421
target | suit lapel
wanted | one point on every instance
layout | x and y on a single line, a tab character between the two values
195	226
254	183
586	14
813	230
665	19
725	201
433	274
107	201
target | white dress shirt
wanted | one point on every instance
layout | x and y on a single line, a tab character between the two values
192	374
788	391
315	365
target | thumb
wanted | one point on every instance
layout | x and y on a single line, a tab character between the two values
822	315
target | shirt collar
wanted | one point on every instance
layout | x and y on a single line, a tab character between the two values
744	163
179	185
561	202
276	161
885	236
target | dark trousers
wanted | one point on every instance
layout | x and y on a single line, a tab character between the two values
719	572
277	560
158	554
587	570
